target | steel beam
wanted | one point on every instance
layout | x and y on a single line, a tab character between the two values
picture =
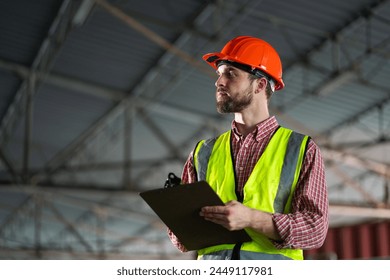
361	212
350	182
382	169
42	63
154	37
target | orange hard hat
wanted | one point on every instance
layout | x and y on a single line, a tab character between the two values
253	52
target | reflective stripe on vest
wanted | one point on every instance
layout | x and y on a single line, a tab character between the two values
269	188
244	255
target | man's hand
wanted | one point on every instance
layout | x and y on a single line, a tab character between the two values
235	216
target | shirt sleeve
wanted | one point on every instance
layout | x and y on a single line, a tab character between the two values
307	225
188	176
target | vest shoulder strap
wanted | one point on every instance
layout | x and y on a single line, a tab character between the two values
295	153
201	156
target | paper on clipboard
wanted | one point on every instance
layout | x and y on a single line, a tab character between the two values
179	206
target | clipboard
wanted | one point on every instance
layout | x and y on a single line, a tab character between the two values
179	206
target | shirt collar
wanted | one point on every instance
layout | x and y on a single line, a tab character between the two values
262	129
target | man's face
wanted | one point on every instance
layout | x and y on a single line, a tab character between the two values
234	89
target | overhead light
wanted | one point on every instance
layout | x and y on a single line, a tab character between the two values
83	12
340	79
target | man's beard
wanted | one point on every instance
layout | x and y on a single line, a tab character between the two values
237	104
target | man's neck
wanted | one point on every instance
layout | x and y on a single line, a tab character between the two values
246	123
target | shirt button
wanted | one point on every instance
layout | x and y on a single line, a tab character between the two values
241	168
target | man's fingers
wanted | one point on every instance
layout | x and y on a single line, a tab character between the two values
219	209
214	209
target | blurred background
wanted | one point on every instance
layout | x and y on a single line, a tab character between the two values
100	100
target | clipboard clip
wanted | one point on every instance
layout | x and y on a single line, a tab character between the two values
172	181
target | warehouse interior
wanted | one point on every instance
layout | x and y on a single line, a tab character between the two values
101	99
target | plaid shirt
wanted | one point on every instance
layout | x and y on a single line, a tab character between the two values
307	224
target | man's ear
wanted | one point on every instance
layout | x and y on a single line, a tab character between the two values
261	84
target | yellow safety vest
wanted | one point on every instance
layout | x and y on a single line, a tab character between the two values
270	186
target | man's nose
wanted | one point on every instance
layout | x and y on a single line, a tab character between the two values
219	81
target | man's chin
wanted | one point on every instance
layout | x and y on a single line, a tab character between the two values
223	108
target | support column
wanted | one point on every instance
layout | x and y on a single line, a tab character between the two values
28	127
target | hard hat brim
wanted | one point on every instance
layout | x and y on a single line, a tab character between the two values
213	58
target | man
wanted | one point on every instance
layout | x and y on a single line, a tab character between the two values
271	179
